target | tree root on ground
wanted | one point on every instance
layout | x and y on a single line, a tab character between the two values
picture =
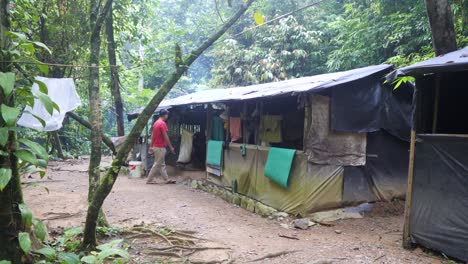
275	255
180	244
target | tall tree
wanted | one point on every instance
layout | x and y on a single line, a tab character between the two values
107	182
97	18
440	15
115	82
11	195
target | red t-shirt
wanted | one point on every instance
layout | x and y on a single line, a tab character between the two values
157	139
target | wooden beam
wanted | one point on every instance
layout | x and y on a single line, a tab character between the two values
409	193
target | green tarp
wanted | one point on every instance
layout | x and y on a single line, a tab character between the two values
217	129
278	165
311	187
214	153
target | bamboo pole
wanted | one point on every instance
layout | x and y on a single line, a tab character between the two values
409	193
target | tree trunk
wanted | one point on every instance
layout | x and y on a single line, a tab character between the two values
440	16
115	82
57	144
96	20
107	182
11	196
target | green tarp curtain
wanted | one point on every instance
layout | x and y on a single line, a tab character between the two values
278	165
214	153
217	129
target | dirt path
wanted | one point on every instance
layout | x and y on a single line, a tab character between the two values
375	239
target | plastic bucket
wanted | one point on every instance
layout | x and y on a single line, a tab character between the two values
135	169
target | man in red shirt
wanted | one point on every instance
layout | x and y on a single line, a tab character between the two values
159	141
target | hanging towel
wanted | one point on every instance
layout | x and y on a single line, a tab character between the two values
235	128
217	128
186	143
270	128
214	154
60	91
278	165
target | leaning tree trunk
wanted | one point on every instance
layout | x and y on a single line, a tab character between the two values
11	196
109	178
440	16
115	82
96	21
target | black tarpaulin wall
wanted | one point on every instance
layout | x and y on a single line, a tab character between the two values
439	209
368	105
384	177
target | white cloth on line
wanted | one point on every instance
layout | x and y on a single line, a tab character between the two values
63	93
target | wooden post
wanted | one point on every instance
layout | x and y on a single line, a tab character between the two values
244	123
409	193
228	126
209	116
307	121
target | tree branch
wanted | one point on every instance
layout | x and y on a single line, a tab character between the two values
109	178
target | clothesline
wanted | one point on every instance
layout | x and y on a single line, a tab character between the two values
62	65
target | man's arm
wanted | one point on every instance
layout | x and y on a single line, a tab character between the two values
168	141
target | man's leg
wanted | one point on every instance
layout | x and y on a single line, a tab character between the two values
161	163
154	169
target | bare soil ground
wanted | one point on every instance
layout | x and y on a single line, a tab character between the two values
376	238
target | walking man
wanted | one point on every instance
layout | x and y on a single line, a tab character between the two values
159	141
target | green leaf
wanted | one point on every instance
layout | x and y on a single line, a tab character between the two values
113	252
40	229
5	262
109	245
9	114
26	155
42	87
26	214
7	82
69	258
15	35
42	45
5	177
89	259
24	241
3	136
258	18
47	102
44	69
35	148
48	252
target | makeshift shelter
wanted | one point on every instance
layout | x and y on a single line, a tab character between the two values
437	205
305	144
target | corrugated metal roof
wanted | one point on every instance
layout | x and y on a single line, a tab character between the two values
453	61
299	85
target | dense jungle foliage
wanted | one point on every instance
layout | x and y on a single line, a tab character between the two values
329	36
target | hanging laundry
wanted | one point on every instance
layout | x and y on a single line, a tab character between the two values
186	144
217	129
235	128
270	129
60	91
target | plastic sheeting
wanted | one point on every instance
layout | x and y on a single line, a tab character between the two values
311	187
186	144
324	146
384	177
63	93
368	106
439	209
